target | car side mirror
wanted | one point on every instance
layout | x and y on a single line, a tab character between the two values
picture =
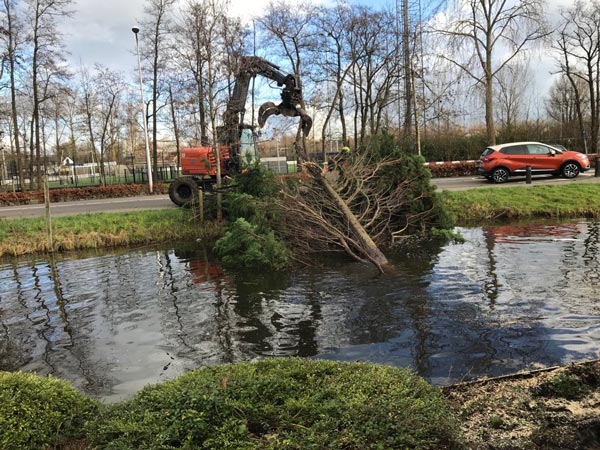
552	152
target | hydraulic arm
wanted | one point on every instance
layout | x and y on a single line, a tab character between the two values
291	98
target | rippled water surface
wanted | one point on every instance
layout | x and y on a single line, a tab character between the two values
509	298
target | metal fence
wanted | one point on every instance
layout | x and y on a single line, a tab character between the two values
130	176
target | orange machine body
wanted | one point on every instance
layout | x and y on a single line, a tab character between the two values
202	161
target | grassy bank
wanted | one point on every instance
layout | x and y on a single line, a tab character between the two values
26	236
488	204
291	403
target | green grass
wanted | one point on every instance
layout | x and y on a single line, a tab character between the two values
489	204
25	236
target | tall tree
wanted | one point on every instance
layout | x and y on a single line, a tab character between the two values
158	23
374	71
567	105
513	83
191	58
492	33
335	65
291	34
46	52
12	41
101	94
578	42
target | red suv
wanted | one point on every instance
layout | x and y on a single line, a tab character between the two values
499	162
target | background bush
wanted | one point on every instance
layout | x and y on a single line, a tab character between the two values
282	404
37	413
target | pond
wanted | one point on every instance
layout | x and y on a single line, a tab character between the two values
510	298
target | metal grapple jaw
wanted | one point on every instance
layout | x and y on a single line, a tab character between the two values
269	109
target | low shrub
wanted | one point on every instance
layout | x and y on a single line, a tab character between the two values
38	413
249	246
282	404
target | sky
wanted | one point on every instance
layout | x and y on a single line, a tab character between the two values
100	32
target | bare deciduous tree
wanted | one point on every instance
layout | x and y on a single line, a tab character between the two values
292	32
487	35
12	41
46	52
513	83
578	42
158	13
101	95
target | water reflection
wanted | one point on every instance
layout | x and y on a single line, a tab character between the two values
509	298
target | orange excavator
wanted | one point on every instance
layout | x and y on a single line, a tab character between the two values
237	141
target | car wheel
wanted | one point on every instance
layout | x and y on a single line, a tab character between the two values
500	175
570	170
183	191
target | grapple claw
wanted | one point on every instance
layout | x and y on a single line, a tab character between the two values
265	111
269	109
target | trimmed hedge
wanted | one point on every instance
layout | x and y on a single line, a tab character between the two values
282	404
79	193
450	169
38	413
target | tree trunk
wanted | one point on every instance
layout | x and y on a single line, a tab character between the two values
175	129
373	253
489	106
13	92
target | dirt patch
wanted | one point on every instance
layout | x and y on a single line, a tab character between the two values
548	409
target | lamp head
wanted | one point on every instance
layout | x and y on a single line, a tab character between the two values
135	30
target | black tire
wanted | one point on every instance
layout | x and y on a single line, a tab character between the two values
500	175
183	191
570	169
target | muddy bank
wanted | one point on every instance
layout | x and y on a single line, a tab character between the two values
549	409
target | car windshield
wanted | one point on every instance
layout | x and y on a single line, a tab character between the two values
487	152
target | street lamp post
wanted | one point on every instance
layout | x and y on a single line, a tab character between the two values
144	121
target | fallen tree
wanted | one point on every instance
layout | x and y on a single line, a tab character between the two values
374	200
377	198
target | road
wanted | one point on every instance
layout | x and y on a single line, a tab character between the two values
89	206
163	201
472	182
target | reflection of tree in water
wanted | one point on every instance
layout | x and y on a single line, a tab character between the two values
15	348
253	313
169	284
591	274
395	310
39	334
67	340
491	286
202	312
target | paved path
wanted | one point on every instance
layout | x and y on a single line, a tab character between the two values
163	201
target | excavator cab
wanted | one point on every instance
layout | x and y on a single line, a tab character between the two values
248	152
